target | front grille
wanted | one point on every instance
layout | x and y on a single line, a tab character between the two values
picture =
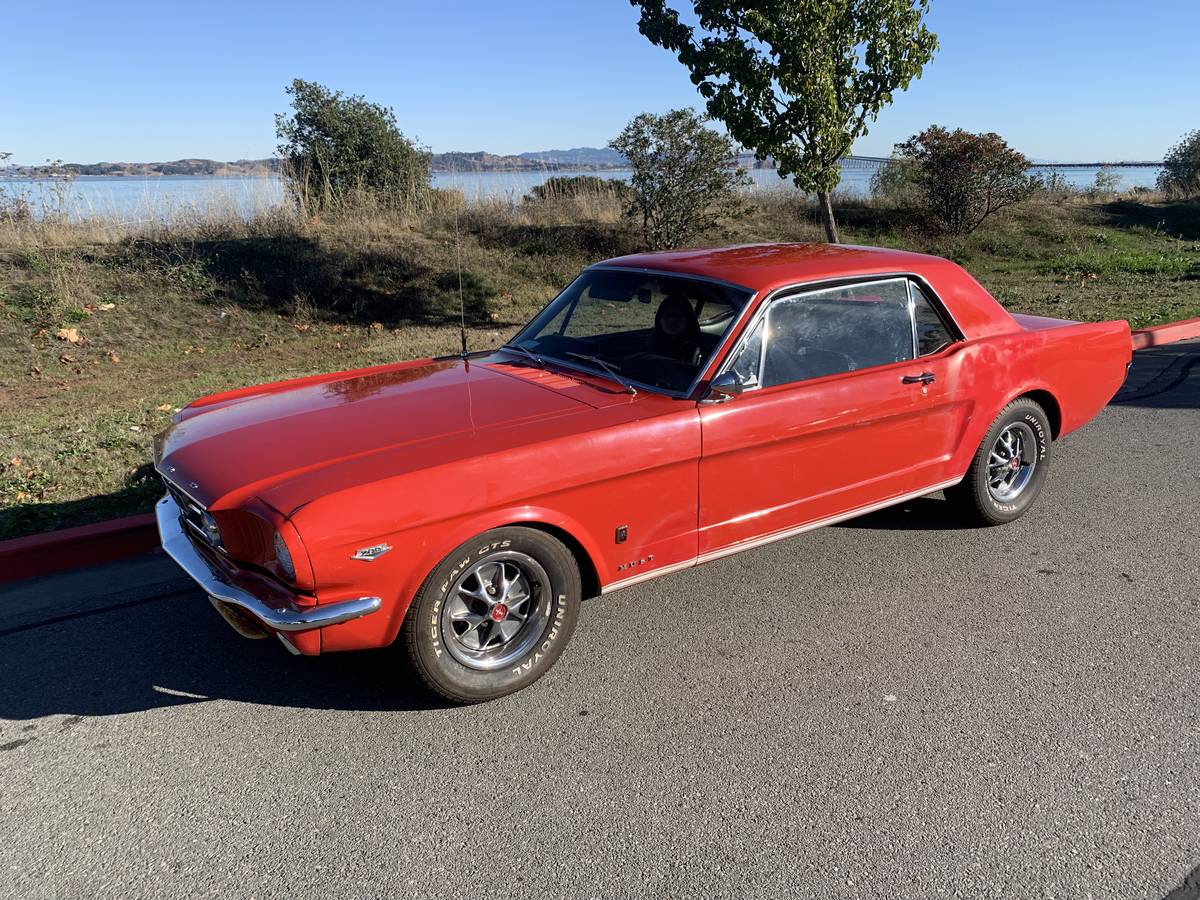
191	513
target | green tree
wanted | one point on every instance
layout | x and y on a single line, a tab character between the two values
963	178
337	148
685	180
1181	167
797	80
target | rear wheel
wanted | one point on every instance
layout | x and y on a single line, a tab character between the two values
494	615
1009	468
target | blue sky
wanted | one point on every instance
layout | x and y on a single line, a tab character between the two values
1061	80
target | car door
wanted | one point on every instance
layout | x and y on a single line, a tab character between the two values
945	362
833	418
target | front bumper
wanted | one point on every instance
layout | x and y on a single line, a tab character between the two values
279	615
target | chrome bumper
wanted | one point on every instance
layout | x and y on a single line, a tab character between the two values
178	546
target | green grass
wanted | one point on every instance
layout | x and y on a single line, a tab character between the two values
168	314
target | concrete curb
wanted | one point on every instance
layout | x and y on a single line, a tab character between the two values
55	551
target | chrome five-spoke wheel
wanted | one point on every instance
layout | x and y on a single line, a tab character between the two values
496	610
1011	462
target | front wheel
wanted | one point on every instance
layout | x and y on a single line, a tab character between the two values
1009	468
494	615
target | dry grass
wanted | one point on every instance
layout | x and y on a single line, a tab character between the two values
155	313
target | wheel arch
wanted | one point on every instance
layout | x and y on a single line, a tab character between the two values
580	543
589	575
1048	402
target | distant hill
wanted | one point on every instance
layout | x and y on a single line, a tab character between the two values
210	167
578	159
591	157
581	158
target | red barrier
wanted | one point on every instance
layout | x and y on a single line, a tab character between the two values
71	548
1183	330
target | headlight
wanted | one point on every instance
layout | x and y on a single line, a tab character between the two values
283	557
212	533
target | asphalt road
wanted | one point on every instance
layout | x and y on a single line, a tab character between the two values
897	707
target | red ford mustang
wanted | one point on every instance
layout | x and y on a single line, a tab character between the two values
664	410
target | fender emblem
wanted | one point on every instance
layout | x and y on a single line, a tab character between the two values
369	554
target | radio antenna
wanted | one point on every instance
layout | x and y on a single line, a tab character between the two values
462	304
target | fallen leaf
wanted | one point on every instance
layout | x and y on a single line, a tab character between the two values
66	358
35	371
15	462
191	350
377	326
21	495
115	357
41	332
105	307
88	308
135	427
69	334
163	407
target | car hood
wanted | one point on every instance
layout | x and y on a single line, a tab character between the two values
226	448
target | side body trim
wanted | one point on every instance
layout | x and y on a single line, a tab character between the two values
771	538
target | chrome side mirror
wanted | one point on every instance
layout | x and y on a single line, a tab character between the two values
725	387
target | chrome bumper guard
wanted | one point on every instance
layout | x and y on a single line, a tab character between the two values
178	546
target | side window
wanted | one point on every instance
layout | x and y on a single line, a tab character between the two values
836	330
932	333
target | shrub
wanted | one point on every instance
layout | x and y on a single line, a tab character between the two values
1181	168
896	181
685	181
1107	181
1055	187
579	186
963	178
336	148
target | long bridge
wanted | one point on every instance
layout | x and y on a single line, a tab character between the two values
871	162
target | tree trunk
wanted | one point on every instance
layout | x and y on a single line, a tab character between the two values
827	219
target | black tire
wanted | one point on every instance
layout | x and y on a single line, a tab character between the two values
438	630
975	497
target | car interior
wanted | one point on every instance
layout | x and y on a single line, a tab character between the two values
654	330
810	337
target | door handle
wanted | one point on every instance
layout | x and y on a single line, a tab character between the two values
923	378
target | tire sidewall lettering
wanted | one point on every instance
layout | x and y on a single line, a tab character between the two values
1041	437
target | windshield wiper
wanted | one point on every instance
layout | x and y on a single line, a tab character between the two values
537	360
608	367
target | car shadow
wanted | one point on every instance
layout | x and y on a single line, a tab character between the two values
1175	383
921	514
173	650
1188	889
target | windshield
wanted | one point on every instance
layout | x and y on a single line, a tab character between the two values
659	331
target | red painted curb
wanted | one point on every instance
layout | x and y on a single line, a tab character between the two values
69	548
1182	330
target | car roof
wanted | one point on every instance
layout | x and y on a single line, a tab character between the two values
761	267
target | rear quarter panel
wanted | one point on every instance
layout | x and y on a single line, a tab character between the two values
1080	365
